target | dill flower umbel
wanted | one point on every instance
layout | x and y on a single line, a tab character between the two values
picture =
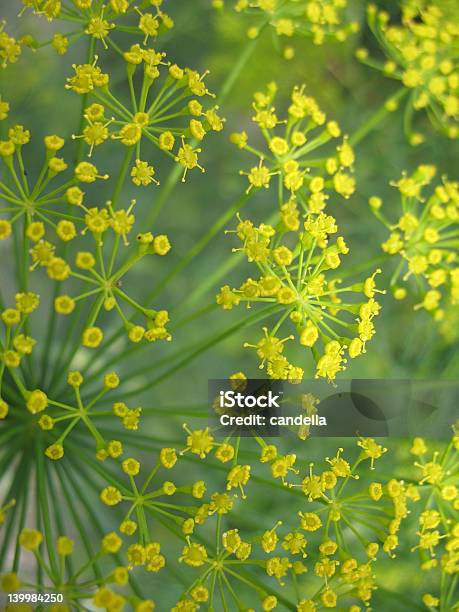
424	239
168	112
102	23
296	281
153	495
10	48
61	418
72	578
437	537
50	229
16	344
421	55
284	156
230	556
320	20
104	499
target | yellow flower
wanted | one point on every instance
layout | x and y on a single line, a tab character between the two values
430	601
418	447
200	594
143	174
166	141
147	605
111	543
310	521
220	503
66	230
64	546
75	379
329	598
30	539
371	450
5	229
225	452
92	337
3	409
27	302
420	53
199	442
198	489
128	527
45	422
60	43
55	451
269	603
53	143
11	316
278	567
4	109
58	269
376	491
168	457
74	196
111	381
12	359
64	304
169	488
56	165
10	582
131	467
121	575
111	496
88	173
187	157
35	231
37	401
136	554
194	555
238	476
161	245
24	344
7	148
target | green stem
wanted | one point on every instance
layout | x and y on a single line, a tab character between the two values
375	118
199	246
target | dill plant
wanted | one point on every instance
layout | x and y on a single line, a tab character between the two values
94	504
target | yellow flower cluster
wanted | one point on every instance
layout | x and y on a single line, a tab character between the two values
296	280
70	582
101	21
320	20
104	282
44	213
422	55
17	343
348	522
145	500
425	239
168	111
10	48
61	418
294	255
302	182
438	533
375	514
